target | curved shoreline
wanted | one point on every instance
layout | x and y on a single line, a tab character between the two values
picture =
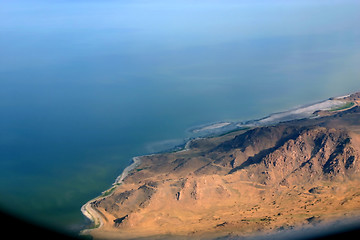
90	212
122	176
92	215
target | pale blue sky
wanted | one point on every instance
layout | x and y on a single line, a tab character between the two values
47	31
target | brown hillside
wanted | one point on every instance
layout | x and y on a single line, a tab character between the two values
264	179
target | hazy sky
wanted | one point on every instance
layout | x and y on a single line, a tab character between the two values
44	32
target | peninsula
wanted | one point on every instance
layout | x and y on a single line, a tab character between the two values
262	179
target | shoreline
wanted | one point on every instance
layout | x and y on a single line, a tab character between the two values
302	111
96	218
90	213
209	127
136	162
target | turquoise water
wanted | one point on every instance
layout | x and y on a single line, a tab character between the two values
87	85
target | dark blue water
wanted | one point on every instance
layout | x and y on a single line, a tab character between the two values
87	85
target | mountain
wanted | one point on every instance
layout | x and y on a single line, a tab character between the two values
261	180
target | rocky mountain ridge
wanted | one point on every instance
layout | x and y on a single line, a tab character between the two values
263	179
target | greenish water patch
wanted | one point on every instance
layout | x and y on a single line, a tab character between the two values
343	107
108	192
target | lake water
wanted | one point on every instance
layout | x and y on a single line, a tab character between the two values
87	85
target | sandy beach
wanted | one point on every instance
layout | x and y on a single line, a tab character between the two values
306	111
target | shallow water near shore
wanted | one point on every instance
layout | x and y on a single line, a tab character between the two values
86	86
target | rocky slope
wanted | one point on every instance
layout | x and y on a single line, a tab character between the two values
263	179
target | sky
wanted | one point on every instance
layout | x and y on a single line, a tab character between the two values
53	28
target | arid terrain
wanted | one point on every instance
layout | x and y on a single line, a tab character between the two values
261	179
